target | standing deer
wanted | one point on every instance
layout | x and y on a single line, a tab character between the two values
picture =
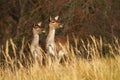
52	47
35	47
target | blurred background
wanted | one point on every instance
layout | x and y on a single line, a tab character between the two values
80	17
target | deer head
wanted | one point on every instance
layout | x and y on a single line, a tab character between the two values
54	23
37	29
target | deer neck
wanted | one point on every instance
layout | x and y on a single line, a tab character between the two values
35	41
51	35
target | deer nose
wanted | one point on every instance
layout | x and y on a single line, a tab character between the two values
61	26
43	31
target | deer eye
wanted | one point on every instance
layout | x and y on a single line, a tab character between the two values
53	22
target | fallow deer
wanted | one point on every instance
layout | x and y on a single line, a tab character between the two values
52	47
35	47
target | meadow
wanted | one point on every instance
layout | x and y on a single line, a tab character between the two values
87	57
91	59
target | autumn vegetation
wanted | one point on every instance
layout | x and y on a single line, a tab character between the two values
91	27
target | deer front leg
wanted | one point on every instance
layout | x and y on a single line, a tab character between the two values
51	50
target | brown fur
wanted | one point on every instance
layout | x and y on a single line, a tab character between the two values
54	46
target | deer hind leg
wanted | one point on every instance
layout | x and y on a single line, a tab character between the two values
62	50
62	54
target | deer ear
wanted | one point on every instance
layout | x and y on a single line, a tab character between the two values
33	25
33	29
56	18
39	24
50	18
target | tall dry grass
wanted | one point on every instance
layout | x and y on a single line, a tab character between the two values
93	59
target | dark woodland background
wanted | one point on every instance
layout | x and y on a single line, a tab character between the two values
80	17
